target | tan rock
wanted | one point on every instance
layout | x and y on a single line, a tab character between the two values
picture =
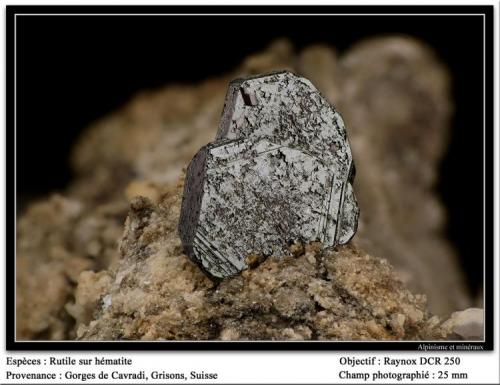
394	96
467	324
159	294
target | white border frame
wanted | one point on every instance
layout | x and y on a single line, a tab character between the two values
271	15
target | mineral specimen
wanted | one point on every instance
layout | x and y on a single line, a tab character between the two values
395	95
279	172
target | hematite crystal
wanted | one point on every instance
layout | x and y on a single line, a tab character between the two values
280	171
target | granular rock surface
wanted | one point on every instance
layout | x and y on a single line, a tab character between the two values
157	293
82	274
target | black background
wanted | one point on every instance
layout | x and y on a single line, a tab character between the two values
71	70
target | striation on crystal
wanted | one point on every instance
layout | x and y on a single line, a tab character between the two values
280	171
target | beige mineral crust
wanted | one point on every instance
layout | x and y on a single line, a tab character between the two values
157	293
57	239
73	282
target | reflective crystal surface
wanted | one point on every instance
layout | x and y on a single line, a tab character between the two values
280	171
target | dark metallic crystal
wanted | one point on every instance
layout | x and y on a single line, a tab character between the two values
280	171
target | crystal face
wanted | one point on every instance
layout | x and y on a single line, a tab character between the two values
280	171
